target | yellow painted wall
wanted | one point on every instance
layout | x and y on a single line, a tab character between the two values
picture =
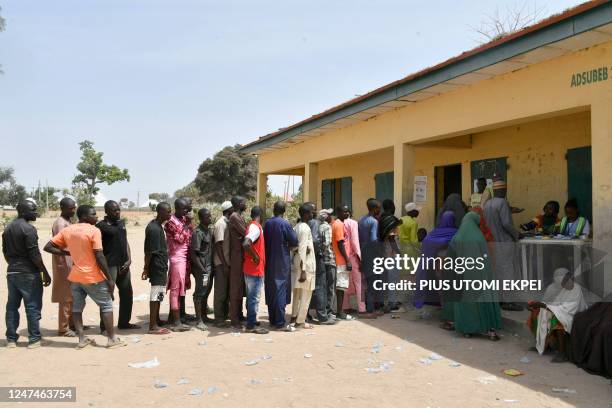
537	169
539	91
362	169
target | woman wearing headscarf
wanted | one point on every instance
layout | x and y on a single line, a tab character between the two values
434	245
474	312
552	318
453	203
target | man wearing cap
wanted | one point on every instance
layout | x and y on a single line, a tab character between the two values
498	216
221	259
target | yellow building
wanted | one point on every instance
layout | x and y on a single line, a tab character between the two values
534	107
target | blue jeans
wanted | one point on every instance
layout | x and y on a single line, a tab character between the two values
26	286
253	292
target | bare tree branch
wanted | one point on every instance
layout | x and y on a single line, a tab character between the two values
514	18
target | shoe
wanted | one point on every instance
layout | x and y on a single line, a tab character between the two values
11	344
328	322
366	315
67	333
35	345
129	326
257	330
201	326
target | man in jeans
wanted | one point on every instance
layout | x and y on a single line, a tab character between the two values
25	276
89	275
118	258
254	266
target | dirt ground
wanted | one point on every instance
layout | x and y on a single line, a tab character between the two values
412	363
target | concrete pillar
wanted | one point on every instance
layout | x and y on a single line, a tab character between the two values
403	176
310	183
262	190
601	136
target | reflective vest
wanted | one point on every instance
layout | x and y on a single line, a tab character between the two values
580	223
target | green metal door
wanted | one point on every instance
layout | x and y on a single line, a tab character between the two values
580	179
384	186
327	193
346	192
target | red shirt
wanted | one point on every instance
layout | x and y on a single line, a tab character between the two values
248	266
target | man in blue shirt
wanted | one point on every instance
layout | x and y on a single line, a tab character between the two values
368	242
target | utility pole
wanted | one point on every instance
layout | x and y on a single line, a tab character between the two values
47	197
38	192
138	201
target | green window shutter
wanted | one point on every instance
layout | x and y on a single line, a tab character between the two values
384	186
580	179
346	191
327	193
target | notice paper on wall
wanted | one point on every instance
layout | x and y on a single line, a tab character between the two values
420	189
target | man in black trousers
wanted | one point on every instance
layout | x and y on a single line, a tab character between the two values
118	257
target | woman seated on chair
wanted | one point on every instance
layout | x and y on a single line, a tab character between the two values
545	223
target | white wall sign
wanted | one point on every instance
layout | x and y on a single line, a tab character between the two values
420	189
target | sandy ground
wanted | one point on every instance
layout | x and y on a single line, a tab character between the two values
322	367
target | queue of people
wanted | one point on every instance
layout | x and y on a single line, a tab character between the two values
317	266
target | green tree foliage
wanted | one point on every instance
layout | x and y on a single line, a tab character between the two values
229	172
93	171
159	196
44	194
191	191
11	192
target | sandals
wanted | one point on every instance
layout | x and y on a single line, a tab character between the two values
160	331
88	342
493	336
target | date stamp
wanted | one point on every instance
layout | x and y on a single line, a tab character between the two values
37	394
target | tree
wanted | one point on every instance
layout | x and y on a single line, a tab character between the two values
93	171
159	197
42	195
229	172
190	190
124	202
512	19
11	193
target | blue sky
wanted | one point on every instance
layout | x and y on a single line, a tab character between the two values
160	85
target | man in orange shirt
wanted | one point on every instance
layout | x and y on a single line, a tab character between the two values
342	250
89	274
